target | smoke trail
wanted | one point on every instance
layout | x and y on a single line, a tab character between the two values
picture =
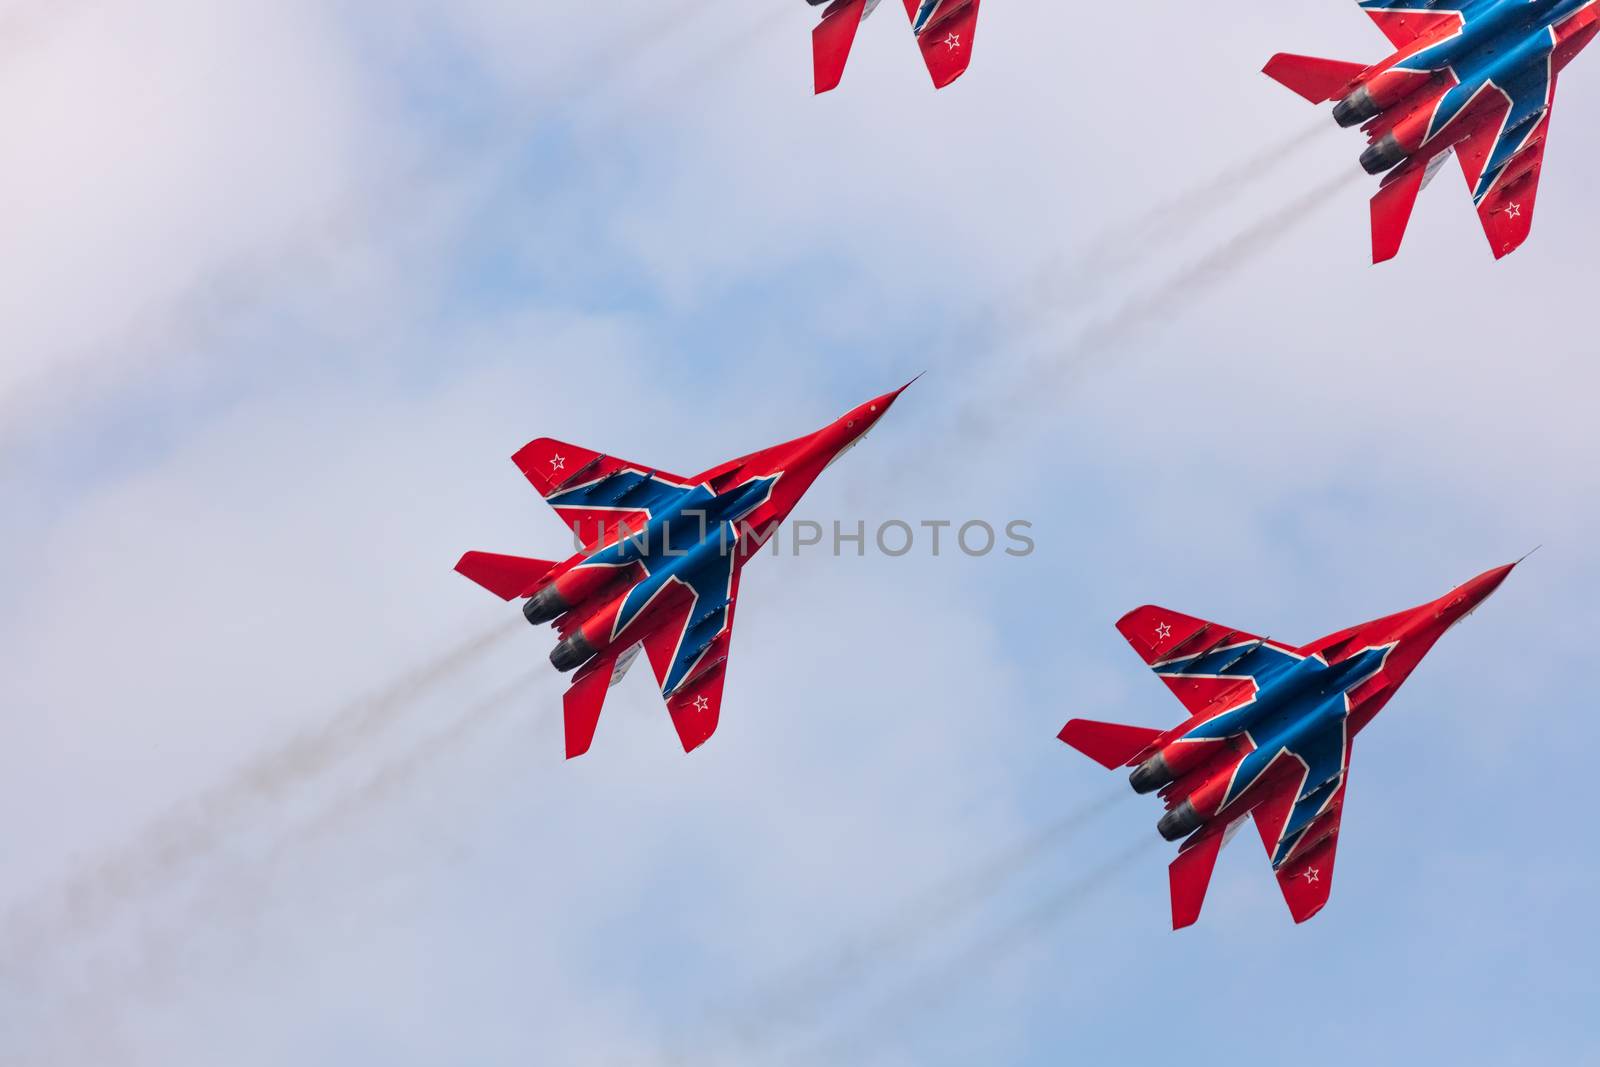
243	893
1132	242
800	999
689	76
929	991
1204	274
398	774
236	896
203	824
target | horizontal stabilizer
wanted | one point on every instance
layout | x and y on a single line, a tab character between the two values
832	39
1107	743
1318	80
1391	210
1190	877
581	705
507	577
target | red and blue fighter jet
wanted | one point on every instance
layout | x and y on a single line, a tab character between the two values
1268	735
943	29
659	567
1474	76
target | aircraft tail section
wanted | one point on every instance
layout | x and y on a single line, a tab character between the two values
581	705
507	577
1318	80
945	37
832	40
1190	875
1391	209
1109	744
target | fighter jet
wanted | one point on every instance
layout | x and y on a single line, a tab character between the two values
660	565
1476	77
943	29
1268	735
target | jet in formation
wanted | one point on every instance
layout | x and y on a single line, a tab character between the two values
660	565
1268	735
1476	77
943	29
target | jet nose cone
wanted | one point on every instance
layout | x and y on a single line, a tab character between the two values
864	417
1472	593
884	402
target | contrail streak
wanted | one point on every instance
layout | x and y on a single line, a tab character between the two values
1040	380
689	76
1202	275
1135	241
993	948
1077	280
236	896
399	774
802	998
204	823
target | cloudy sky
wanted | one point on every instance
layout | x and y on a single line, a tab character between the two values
286	282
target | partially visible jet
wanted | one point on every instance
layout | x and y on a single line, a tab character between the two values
944	30
1474	76
1268	734
660	565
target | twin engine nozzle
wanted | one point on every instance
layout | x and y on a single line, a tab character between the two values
544	606
548	604
1151	775
1356	108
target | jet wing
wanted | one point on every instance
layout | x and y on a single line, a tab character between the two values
1299	828
596	495
1501	159
1191	655
945	29
689	654
1403	21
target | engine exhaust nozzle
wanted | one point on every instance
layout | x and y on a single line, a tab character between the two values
1151	775
1356	108
1383	154
572	653
544	605
1180	822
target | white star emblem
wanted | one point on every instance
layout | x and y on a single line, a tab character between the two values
1309	874
558	463
701	704
1163	631
1514	211
952	41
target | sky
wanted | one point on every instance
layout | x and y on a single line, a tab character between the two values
286	284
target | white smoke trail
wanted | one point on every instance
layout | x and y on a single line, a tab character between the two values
235	895
926	993
196	828
803	998
1077	278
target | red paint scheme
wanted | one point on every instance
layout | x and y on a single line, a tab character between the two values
593	595
1204	769
1408	100
945	43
